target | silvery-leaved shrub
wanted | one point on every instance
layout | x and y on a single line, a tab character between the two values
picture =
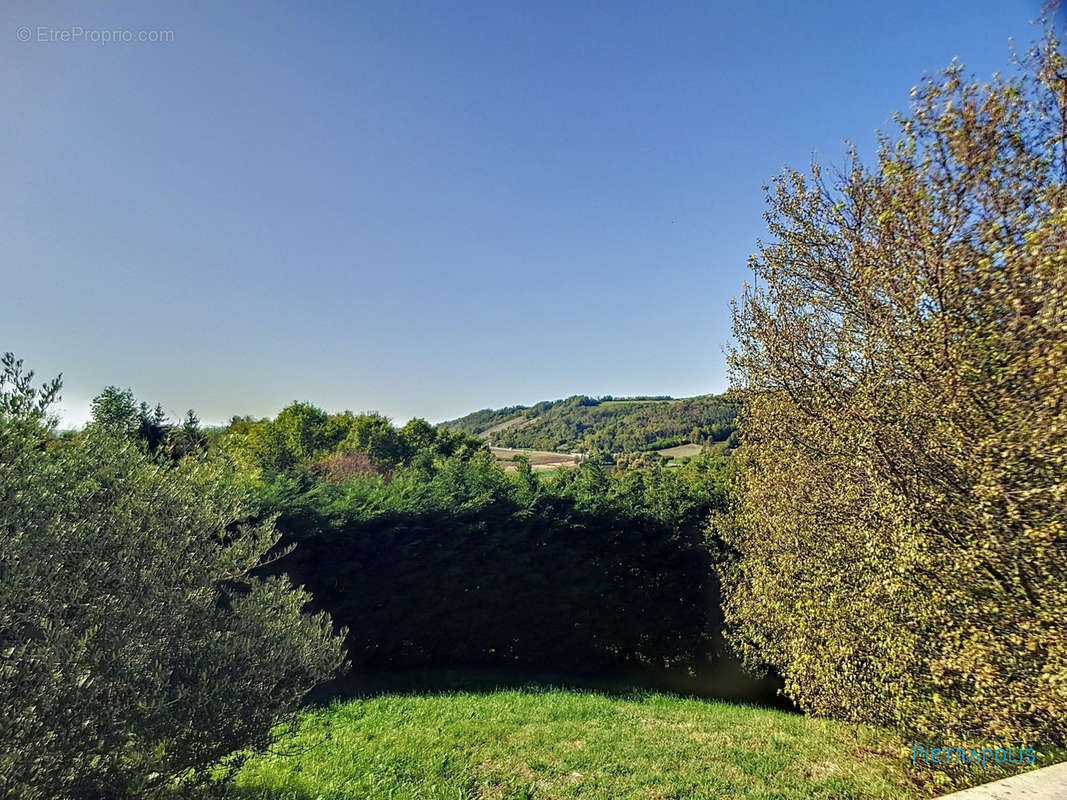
137	650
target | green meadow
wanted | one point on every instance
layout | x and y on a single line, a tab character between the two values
552	744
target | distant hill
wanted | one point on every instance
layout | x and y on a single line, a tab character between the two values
606	424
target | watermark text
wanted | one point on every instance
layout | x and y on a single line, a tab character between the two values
76	33
973	755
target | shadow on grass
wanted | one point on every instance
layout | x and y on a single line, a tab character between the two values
722	680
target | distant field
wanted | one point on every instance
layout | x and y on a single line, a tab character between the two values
681	451
557	745
549	461
540	460
503	426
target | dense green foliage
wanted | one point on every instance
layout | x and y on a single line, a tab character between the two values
605	425
902	524
303	438
560	744
136	651
435	556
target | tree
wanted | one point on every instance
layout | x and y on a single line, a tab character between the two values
374	435
901	526
188	437
138	651
303	429
117	410
418	434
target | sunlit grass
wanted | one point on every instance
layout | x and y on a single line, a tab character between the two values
508	745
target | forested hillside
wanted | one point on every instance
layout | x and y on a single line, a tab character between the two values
605	424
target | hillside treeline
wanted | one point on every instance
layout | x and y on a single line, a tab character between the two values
605	425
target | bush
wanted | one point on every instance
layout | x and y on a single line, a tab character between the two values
902	517
136	652
341	467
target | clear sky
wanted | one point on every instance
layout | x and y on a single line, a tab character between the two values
420	208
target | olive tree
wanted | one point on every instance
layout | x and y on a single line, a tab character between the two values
901	518
138	652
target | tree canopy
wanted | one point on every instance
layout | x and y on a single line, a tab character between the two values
902	355
138	649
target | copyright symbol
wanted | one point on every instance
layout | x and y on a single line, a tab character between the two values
23	34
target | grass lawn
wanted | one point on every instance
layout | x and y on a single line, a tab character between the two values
507	745
681	451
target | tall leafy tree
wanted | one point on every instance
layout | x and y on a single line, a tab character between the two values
902	517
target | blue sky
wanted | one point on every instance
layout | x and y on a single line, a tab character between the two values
420	208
